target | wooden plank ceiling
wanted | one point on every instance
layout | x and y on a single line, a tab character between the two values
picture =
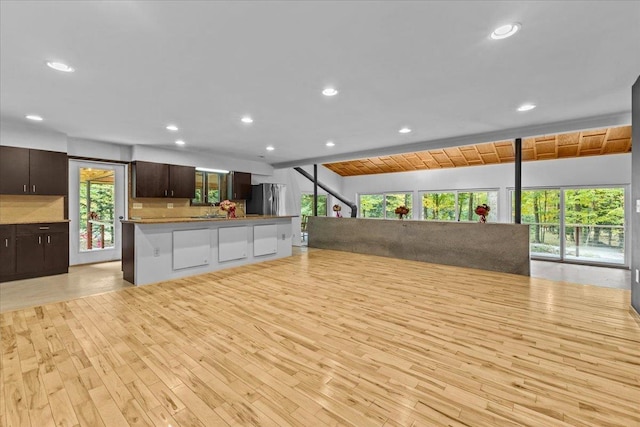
576	144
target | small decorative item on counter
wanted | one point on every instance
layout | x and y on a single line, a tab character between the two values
483	211
229	207
401	211
337	209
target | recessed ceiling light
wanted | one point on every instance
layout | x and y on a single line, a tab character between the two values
172	128
526	107
60	66
405	130
246	119
180	142
329	91
270	148
34	117
505	31
330	144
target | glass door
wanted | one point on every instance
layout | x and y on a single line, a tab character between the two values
594	225
585	225
96	203
541	210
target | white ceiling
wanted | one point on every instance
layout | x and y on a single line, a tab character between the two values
203	65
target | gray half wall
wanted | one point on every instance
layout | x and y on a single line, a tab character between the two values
495	247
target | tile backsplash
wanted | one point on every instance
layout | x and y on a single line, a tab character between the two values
30	208
174	208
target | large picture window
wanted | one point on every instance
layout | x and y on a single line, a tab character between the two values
383	205
458	205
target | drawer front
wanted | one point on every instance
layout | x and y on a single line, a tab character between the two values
55	227
7	230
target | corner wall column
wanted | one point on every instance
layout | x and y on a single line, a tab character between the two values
518	190
635	197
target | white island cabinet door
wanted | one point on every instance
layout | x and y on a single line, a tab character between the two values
190	248
232	243
265	239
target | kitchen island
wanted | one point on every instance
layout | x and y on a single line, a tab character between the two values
154	250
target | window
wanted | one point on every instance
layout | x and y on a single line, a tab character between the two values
211	187
458	205
97	209
383	205
576	224
439	206
371	205
306	205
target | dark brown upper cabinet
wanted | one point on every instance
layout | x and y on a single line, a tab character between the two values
182	181
163	180
27	171
241	186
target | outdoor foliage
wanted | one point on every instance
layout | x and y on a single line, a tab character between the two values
383	205
443	206
98	198
306	205
593	222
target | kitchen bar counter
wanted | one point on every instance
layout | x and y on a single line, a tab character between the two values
154	250
198	219
494	246
30	221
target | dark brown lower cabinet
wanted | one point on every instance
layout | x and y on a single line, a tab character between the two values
7	250
128	252
39	250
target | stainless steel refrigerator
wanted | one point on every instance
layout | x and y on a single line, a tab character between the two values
267	199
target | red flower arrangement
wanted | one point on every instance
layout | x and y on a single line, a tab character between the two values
229	207
483	211
401	211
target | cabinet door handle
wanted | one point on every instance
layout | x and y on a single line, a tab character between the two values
171	193
39	240
6	243
165	193
48	239
34	188
24	188
44	228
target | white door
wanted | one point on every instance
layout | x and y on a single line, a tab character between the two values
97	200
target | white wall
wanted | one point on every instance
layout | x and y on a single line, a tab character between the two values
31	135
612	169
207	160
36	135
81	147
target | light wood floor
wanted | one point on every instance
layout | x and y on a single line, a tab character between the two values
327	338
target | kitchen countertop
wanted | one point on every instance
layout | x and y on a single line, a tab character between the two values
183	219
31	221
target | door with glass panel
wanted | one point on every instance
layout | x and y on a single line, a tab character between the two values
576	224
594	225
97	196
541	209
